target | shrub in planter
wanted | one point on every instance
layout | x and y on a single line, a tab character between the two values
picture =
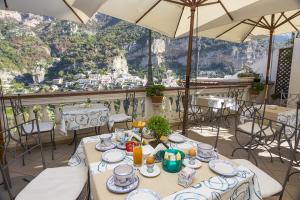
159	126
257	87
155	92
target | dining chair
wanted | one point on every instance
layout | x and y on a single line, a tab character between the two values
52	183
269	186
253	130
19	117
179	108
130	104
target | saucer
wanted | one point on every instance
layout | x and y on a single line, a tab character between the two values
223	167
104	148
113	156
119	146
144	172
143	194
186	162
121	190
207	159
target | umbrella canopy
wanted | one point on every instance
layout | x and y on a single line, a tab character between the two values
287	20
55	8
169	17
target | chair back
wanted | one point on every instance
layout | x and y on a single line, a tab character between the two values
3	113
10	138
130	104
235	93
18	109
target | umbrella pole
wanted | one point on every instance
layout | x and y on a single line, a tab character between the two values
188	71
150	71
268	65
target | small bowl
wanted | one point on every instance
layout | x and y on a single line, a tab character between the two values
123	175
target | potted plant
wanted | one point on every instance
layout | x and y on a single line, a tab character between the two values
248	76
256	88
159	126
155	92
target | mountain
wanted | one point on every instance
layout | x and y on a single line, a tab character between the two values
51	48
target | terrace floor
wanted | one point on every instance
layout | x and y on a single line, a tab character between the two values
225	147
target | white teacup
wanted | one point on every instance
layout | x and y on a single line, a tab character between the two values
205	150
105	139
123	175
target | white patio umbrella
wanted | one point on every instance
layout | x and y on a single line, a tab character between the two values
261	26
59	9
169	17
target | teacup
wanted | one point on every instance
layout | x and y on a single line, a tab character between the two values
123	175
105	139
205	150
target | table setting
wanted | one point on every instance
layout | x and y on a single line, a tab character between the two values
181	168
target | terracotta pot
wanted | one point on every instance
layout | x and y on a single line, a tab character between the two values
157	99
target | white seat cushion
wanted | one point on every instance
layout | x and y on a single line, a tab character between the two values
268	185
120	117
44	127
247	127
62	183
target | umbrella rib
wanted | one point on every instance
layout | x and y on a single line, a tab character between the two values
153	6
176	2
279	18
230	29
73	11
253	23
257	23
179	22
290	18
266	21
289	21
229	15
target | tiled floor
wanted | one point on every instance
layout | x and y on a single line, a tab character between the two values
226	145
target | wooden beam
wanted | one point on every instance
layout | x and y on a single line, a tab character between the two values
153	6
183	3
229	15
230	29
73	11
247	35
179	21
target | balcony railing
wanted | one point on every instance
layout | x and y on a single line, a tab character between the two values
50	104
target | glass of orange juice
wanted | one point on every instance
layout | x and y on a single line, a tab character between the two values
137	155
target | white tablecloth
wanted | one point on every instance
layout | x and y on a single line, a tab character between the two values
81	117
216	102
243	186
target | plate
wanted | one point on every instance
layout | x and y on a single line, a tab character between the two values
113	155
142	194
156	172
186	162
177	138
121	190
223	167
104	148
207	159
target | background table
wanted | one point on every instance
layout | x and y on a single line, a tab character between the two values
215	102
82	117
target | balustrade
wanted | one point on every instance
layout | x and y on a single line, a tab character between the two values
49	105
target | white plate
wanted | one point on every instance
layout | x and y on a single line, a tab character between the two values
113	155
144	194
175	137
186	162
110	184
144	172
223	167
99	147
